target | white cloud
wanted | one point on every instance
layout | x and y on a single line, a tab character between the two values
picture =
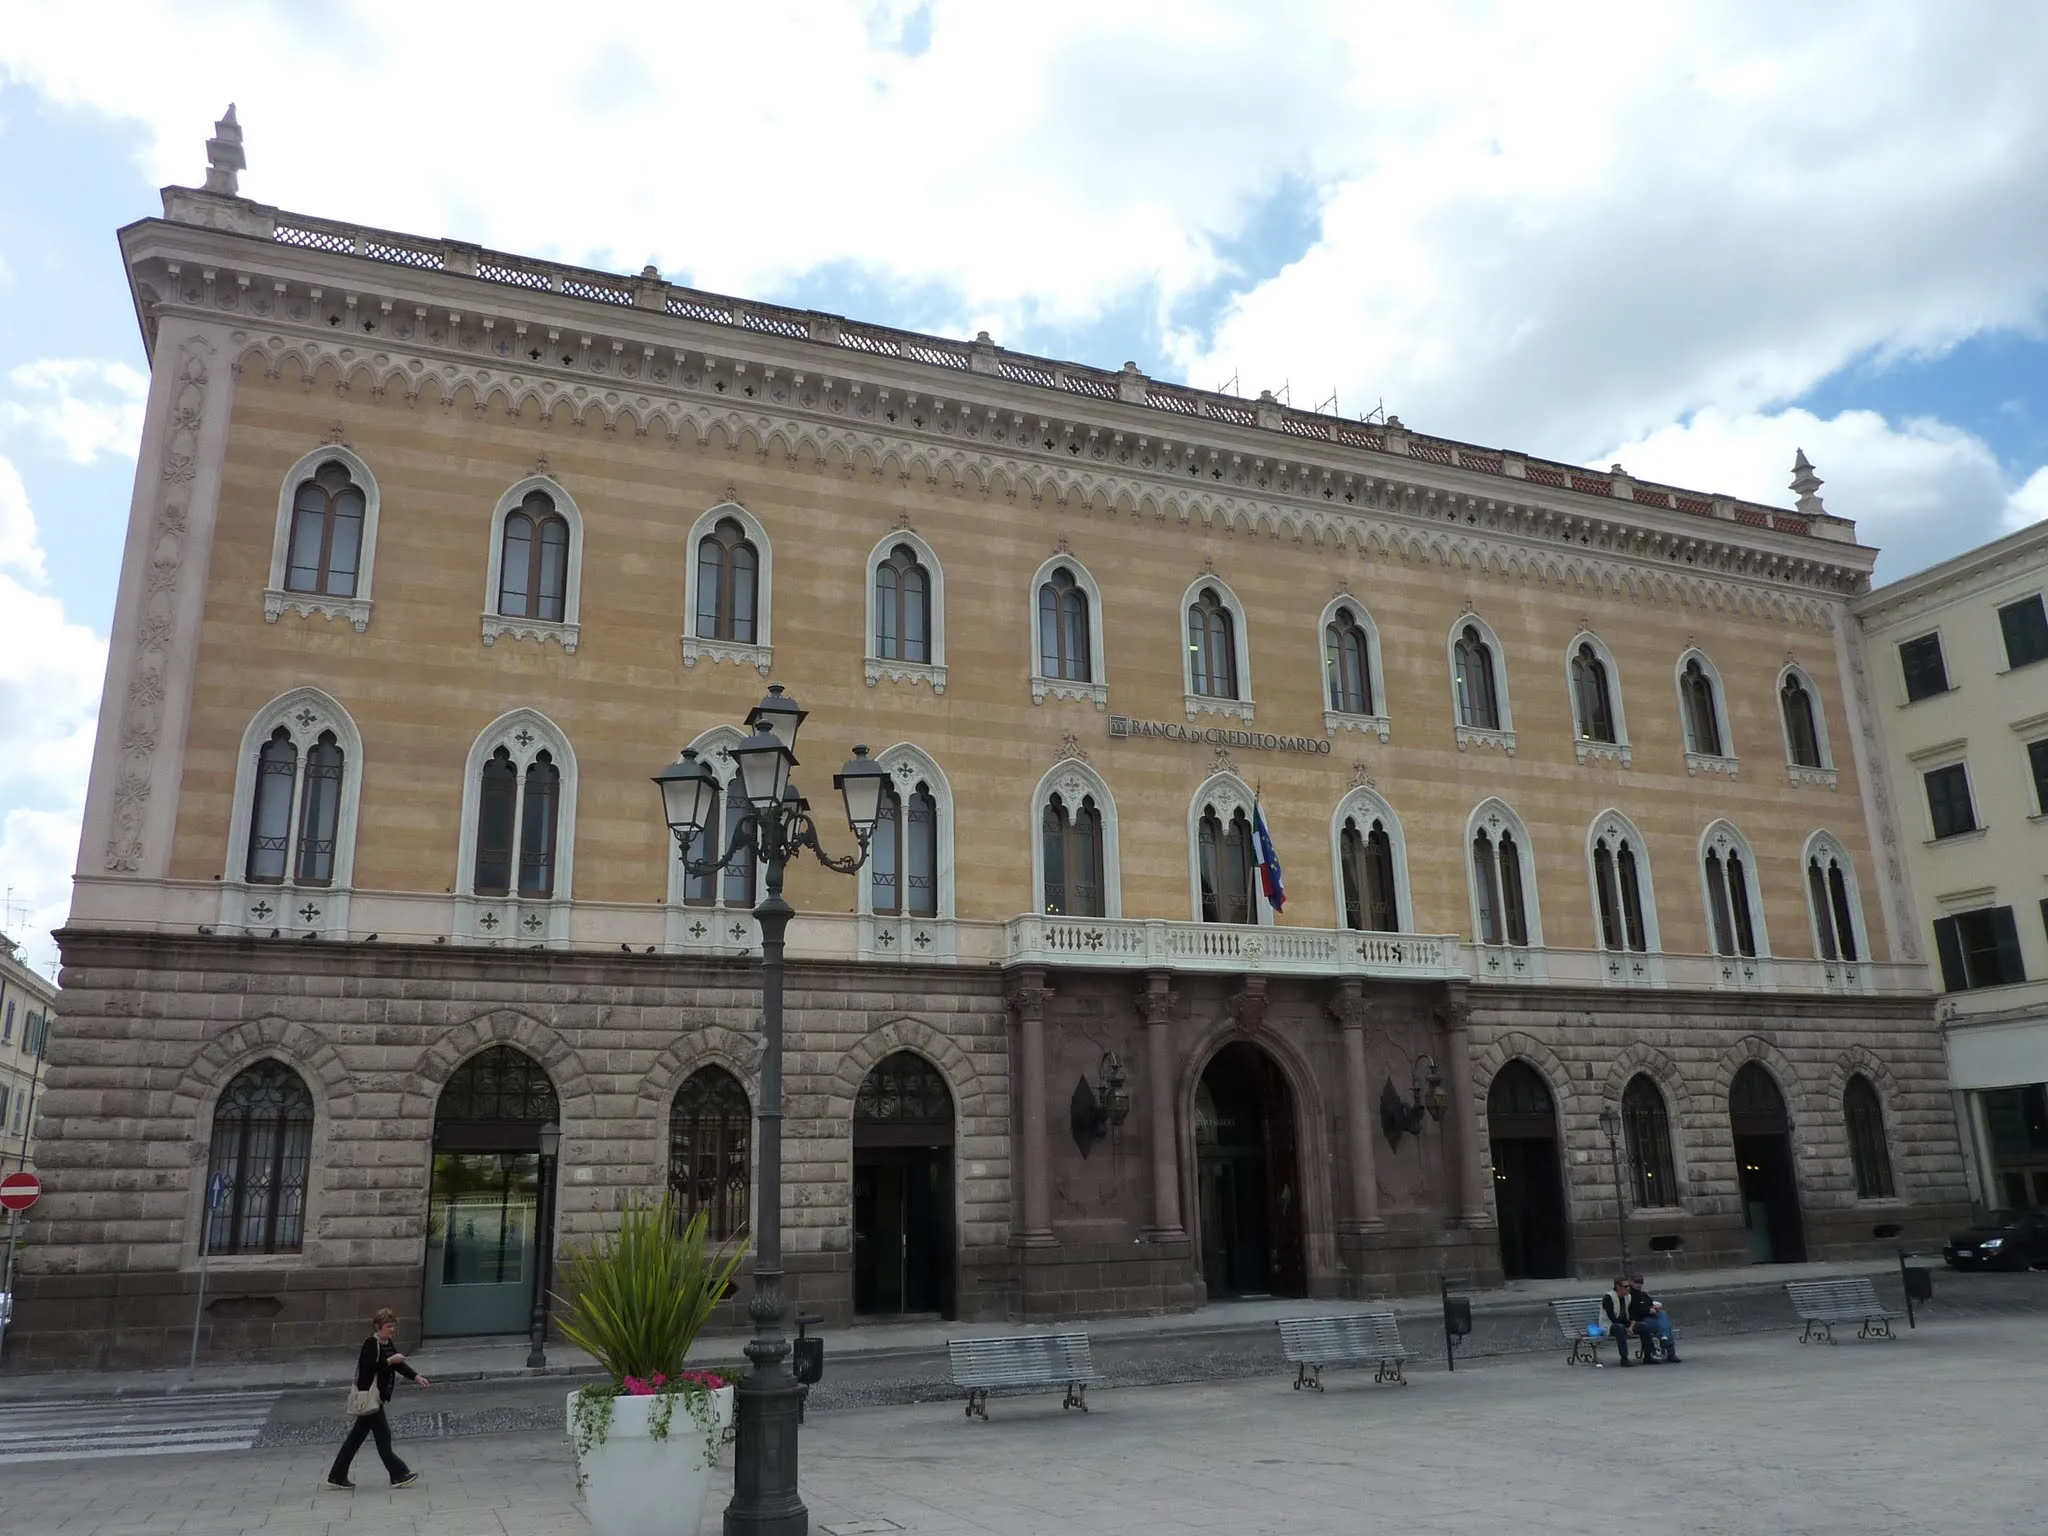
1920	490
20	549
86	406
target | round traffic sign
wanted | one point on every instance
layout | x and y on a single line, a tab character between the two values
18	1191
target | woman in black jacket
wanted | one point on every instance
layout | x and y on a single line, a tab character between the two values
379	1365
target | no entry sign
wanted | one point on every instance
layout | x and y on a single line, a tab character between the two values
18	1191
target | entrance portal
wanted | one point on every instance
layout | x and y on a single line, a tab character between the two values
903	1190
481	1275
1245	1169
1528	1178
1763	1168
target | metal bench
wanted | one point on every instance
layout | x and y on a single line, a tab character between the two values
1575	1319
1023	1360
1357	1338
1821	1304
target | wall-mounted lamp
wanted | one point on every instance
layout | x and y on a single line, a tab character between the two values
1400	1117
1100	1107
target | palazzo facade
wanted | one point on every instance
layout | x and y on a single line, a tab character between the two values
437	554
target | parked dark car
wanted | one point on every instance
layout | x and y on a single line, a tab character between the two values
2003	1240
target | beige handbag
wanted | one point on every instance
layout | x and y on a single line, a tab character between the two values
362	1400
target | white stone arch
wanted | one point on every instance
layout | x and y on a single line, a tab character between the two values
1096	689
1474	735
760	654
1494	816
909	765
1793	670
1825	846
568	629
1616	829
881	668
1724	837
1227	793
304	713
524	733
1619	750
1071	779
1239	708
1367	806
1695	756
1374	721
356	609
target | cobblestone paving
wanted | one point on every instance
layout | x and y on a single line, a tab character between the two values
1751	1434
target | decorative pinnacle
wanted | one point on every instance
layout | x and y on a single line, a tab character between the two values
224	157
1806	483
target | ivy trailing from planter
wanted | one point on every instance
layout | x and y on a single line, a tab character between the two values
591	1417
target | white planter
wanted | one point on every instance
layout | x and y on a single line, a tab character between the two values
635	1485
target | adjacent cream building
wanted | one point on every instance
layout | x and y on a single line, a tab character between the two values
1959	655
438	553
27	1005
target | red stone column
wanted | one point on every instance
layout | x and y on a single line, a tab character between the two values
1155	1003
1349	1011
1471	1166
1028	995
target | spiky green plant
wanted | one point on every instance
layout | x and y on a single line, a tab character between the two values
638	1298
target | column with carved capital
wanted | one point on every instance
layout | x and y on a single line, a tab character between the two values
1155	1003
1028	995
1457	1020
1348	1009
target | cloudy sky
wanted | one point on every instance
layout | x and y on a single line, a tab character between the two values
1688	241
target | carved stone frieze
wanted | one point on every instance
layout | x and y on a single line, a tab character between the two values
356	610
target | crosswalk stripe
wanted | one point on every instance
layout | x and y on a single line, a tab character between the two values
78	1429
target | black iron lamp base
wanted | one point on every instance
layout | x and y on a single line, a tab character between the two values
766	1408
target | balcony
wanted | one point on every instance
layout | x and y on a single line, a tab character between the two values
1119	943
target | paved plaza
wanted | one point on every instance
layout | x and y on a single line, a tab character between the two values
1751	1434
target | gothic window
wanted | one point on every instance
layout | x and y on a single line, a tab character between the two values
261	1150
498	1086
518	810
319	811
1699	698
270	821
315	786
1473	678
734	886
1831	900
902	607
1212	646
1072	857
533	565
1347	664
1497	887
1227	867
1592	695
904	1088
1869	1156
1802	733
1728	868
709	1143
1367	857
1064	651
326	544
728	573
1618	890
903	859
1648	1129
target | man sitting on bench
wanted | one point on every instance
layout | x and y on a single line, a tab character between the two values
1631	1313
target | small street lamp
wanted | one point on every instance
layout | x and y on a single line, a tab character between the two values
543	1244
775	827
1610	1122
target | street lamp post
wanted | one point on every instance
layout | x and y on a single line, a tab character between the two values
1610	1122
775	827
543	1245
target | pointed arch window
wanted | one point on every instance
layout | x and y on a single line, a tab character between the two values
533	565
518	817
903	857
1071	856
306	843
728	583
1701	705
1501	907
326	545
903	610
1366	854
1648	1129
1212	646
1869	1153
734	886
1226	866
1473	677
1831	900
1592	695
261	1149
1064	652
1728	868
1347	664
1802	733
1618	889
709	1147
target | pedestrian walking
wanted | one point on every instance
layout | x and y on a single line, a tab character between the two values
377	1368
